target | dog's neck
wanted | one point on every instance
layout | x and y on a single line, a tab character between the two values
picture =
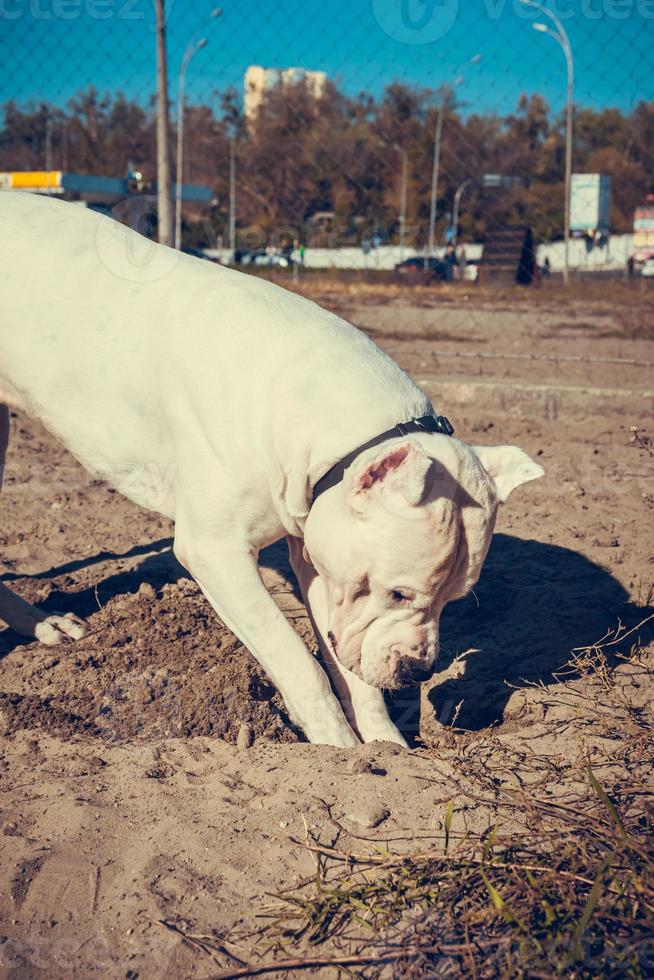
428	423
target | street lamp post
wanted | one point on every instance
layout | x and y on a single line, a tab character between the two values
192	48
561	37
455	210
165	231
232	197
438	133
48	148
403	196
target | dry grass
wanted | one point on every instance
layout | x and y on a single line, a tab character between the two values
598	661
635	322
572	894
559	883
581	307
370	287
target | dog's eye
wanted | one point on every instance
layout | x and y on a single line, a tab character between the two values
400	595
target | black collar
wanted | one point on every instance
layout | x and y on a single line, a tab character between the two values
428	423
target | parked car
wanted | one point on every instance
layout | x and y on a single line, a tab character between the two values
197	253
471	271
261	257
273	259
416	269
648	268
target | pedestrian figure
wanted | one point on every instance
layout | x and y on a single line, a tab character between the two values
450	261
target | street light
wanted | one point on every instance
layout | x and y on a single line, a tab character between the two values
48	147
455	210
403	195
232	196
438	133
404	181
192	48
561	37
164	211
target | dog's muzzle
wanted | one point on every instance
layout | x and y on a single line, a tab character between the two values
409	665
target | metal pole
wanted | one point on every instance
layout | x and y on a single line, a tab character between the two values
560	35
403	197
48	147
458	80
64	146
180	148
434	181
455	210
192	48
568	158
232	196
164	208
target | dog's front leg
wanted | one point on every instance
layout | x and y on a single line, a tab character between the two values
28	620
364	706
229	577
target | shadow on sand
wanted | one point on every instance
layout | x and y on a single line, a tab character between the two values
534	603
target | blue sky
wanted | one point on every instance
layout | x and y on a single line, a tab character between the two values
49	49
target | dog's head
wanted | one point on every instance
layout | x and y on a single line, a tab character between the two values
406	531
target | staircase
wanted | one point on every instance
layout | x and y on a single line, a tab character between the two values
509	256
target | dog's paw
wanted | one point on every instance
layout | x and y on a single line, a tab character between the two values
383	733
340	736
55	629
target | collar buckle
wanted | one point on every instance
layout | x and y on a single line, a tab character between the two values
444	425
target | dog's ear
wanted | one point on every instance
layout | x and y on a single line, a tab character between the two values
508	466
399	469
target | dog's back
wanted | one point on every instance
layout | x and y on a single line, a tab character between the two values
118	344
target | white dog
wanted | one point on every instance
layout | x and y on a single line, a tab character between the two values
246	413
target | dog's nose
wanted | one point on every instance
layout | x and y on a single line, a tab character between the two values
406	661
400	656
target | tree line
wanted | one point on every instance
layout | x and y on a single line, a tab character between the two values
303	157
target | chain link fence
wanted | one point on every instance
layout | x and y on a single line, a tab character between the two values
353	136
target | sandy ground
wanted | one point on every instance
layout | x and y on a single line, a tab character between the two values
149	774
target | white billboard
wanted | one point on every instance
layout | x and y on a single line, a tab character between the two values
590	202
